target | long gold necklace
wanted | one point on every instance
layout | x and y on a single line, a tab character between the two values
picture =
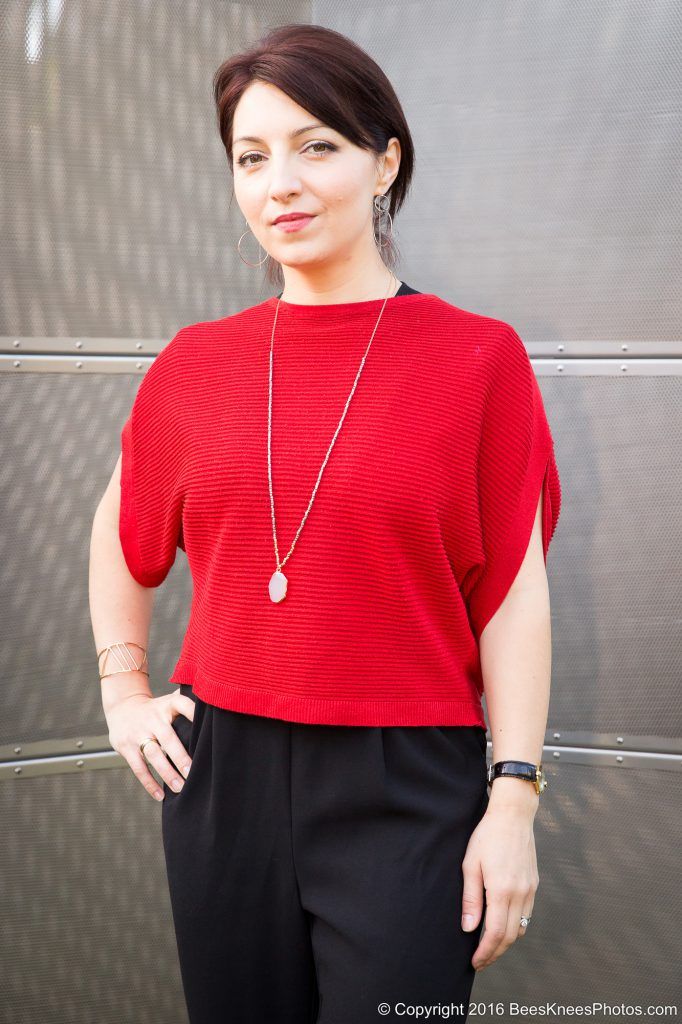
277	587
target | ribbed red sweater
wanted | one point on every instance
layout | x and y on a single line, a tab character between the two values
420	523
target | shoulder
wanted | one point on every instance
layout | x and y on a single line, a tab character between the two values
487	331
206	329
491	346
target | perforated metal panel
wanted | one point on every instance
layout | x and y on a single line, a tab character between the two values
606	917
87	930
546	194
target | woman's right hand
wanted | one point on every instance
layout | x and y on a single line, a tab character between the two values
133	720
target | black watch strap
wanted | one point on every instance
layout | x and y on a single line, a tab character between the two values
519	770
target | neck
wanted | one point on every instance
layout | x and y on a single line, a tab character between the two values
358	289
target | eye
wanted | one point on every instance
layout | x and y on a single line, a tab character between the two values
243	159
246	161
328	146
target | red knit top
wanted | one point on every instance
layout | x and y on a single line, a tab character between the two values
421	520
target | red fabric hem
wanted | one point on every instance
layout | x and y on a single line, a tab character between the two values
491	590
318	711
127	523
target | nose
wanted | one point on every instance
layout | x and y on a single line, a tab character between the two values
283	182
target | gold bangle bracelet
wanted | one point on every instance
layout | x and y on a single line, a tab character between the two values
123	657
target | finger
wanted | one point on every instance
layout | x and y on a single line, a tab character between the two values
513	925
495	928
173	747
157	759
472	897
141	772
526	912
187	706
512	930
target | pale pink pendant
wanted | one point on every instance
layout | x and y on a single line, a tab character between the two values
277	586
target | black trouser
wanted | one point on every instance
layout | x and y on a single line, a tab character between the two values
315	870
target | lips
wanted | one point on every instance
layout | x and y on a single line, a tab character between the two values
292	216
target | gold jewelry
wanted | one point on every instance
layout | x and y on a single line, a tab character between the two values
122	656
277	587
150	739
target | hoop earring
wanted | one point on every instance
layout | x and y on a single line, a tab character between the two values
249	264
382	205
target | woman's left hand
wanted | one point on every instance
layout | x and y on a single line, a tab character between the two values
501	858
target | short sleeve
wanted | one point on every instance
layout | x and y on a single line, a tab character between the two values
150	515
516	463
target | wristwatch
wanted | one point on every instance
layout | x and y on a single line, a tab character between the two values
519	770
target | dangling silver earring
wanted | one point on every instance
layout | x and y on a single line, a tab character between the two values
382	205
248	263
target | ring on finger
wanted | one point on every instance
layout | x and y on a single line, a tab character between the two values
150	739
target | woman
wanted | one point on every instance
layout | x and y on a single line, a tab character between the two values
363	479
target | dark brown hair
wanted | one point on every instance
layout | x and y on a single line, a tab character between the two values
337	82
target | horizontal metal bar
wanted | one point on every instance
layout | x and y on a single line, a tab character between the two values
554	738
552	756
12	344
617	741
611	758
33	345
616	367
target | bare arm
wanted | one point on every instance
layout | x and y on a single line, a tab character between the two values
515	649
516	658
120	608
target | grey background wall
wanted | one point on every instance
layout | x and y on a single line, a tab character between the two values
547	194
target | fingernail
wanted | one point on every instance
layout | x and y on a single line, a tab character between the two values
185	770
159	794
177	785
467	922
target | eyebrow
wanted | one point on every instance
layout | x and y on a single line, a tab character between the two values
292	135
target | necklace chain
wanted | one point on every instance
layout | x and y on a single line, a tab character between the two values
278	581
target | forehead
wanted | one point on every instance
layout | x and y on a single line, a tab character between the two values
264	111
